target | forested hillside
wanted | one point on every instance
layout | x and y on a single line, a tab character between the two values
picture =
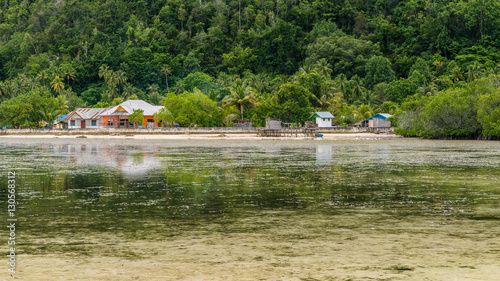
277	58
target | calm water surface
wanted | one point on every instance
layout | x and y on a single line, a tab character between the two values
156	189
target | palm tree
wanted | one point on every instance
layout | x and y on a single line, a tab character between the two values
68	73
154	96
106	97
495	73
306	68
365	111
179	87
369	98
120	78
341	82
33	83
324	67
7	88
225	79
324	103
153	88
427	90
111	91
57	84
23	78
241	96
327	88
456	74
262	83
357	89
129	90
166	69
62	105
474	71
111	78
43	75
103	72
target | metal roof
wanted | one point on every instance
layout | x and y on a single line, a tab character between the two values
380	116
62	117
86	113
322	114
132	105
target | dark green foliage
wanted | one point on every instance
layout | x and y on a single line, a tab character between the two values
457	113
398	90
29	109
239	60
137	117
378	70
294	103
101	105
451	113
92	95
198	80
192	108
350	56
279	48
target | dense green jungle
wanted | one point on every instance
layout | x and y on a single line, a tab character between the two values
433	64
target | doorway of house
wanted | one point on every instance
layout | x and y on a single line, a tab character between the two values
83	124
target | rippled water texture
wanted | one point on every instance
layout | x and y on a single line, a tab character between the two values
395	209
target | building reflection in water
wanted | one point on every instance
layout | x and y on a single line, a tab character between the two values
324	154
128	159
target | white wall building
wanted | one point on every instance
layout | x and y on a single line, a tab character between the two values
85	118
323	119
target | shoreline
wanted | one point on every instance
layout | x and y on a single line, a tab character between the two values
201	136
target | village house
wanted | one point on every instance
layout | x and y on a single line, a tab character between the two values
273	124
323	119
118	116
85	118
61	123
378	120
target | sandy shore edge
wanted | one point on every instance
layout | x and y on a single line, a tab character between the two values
337	136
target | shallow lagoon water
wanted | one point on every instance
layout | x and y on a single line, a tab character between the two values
277	210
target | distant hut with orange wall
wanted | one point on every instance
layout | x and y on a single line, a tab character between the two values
117	116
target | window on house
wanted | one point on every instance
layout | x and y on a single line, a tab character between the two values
94	123
324	120
72	122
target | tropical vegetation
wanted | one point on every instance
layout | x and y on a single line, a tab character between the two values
209	61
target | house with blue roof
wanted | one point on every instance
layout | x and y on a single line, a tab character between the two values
323	119
61	123
378	120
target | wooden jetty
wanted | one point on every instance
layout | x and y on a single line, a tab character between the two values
275	128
